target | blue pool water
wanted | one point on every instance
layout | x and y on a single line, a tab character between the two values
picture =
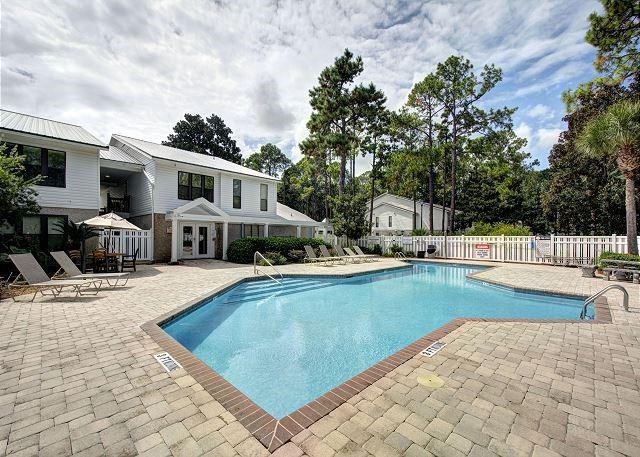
284	345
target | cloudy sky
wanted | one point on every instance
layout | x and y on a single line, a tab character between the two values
135	67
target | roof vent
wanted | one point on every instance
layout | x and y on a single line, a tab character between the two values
167	362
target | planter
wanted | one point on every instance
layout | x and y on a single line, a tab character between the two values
588	271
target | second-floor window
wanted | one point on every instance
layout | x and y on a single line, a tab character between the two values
377	222
50	164
192	186
264	192
390	221
237	193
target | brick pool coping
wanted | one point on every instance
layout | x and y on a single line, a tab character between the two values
273	433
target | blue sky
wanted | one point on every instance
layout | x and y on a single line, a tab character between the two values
135	68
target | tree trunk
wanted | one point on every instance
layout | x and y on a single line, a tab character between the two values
632	228
431	192
452	206
373	191
415	213
343	170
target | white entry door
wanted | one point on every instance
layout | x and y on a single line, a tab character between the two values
197	241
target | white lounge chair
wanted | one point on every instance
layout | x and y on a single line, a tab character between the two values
344	255
33	276
355	256
73	272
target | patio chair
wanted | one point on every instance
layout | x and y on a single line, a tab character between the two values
32	276
311	255
129	261
73	272
343	254
354	256
102	262
360	252
330	258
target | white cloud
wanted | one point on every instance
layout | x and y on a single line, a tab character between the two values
540	111
135	68
547	137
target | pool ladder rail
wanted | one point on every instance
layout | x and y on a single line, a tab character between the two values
257	271
400	256
592	298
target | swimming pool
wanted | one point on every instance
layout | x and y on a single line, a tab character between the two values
285	345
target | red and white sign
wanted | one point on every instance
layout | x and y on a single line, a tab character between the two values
482	251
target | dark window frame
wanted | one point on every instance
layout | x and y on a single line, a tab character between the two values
47	180
206	192
390	221
43	236
377	221
264	202
237	204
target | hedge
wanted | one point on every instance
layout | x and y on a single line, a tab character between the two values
616	256
242	250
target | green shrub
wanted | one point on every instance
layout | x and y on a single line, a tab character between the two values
242	250
376	249
395	248
419	232
497	229
275	258
608	255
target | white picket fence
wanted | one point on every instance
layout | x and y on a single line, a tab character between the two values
127	241
526	249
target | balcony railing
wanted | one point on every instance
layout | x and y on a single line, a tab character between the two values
118	205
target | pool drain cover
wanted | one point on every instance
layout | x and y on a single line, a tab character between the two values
431	380
433	349
167	362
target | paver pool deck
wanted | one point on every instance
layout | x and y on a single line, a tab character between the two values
79	377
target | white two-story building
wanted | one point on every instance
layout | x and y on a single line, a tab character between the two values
395	215
193	205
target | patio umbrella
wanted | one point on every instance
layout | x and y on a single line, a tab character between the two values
110	221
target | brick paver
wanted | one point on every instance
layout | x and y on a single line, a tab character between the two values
78	377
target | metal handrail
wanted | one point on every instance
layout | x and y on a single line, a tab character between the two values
256	270
592	298
400	255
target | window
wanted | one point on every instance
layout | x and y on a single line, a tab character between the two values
192	186
237	193
377	222
253	230
264	192
390	220
45	232
50	164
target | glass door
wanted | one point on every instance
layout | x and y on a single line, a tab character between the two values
187	241
203	241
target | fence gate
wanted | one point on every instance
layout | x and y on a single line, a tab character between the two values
128	241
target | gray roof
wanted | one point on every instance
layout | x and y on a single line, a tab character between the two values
291	214
160	151
117	155
18	122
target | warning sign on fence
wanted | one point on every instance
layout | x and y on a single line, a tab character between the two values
482	251
543	247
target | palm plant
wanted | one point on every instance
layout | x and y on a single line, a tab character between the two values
616	133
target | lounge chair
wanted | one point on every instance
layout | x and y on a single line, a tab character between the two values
311	255
73	272
33	276
344	255
354	256
330	258
359	251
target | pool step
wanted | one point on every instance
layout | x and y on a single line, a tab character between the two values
242	296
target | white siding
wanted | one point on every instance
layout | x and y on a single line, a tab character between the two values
166	195
250	196
139	185
400	220
82	189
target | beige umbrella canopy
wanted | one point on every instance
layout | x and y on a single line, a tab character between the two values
110	221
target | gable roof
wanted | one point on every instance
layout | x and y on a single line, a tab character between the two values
160	151
117	155
405	203
291	214
19	122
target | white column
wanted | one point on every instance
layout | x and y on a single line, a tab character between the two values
266	230
297	231
225	239
174	239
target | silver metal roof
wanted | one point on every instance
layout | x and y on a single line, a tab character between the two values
117	155
160	151
18	122
292	215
